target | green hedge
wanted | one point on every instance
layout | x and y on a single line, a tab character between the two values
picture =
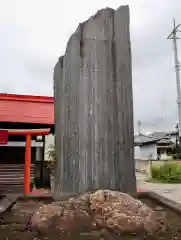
169	172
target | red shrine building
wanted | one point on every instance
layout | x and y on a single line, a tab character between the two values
25	121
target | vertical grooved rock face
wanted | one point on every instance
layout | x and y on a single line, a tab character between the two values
94	107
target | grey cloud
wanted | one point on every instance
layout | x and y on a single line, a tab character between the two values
38	66
28	69
21	72
153	70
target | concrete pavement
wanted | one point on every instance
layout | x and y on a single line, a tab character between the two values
170	191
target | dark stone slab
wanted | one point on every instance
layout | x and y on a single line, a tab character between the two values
94	108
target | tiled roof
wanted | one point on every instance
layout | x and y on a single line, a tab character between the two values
26	109
145	139
158	134
165	141
142	139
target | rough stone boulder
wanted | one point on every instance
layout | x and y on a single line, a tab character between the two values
122	213
113	211
60	219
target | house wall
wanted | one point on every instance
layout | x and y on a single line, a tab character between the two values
147	151
137	152
173	138
144	152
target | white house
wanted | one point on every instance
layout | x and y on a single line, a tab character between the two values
146	152
155	145
145	148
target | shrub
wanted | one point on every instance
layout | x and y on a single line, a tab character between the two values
52	157
169	172
155	171
51	152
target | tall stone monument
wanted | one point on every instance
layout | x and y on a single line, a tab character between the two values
94	107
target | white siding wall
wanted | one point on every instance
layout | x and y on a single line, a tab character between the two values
146	151
137	152
49	140
173	139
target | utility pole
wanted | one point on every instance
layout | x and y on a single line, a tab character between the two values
173	36
139	127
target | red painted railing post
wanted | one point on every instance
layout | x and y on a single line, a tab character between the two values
27	166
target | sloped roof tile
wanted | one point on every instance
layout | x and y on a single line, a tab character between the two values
26	109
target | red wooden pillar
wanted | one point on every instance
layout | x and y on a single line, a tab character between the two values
27	167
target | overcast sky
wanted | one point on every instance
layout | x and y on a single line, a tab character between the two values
34	33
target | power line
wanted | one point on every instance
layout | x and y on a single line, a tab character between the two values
173	36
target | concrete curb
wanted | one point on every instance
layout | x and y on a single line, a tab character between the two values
7	202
